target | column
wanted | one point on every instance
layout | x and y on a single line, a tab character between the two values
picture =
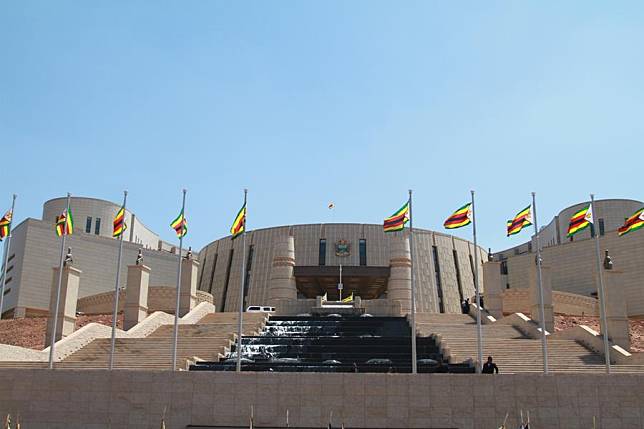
136	295
493	288
399	286
188	292
616	311
282	281
67	305
546	283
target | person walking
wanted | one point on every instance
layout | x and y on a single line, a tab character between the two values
490	367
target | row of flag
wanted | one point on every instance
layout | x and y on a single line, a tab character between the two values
581	220
396	222
64	224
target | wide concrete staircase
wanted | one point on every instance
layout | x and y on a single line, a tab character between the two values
512	351
207	339
211	337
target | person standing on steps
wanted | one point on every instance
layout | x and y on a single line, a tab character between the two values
490	367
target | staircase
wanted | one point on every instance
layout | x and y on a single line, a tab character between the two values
512	351
211	337
334	344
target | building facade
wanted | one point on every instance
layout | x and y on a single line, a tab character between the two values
289	266
35	250
573	262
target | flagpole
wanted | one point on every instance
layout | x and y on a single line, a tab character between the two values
60	281
178	295
116	286
241	288
340	285
542	312
7	249
414	361
602	300
477	290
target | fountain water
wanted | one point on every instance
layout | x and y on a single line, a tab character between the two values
335	344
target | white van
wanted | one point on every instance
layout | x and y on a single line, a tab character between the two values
259	309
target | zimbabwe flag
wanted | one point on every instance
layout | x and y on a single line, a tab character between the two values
460	217
633	223
397	221
5	225
239	224
119	223
65	223
520	221
580	220
180	225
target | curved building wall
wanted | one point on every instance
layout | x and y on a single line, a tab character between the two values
573	264
436	270
88	211
610	213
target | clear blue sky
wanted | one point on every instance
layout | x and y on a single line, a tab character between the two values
310	102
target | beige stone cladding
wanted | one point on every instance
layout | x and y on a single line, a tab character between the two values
86	210
137	399
221	276
160	298
574	265
36	249
610	212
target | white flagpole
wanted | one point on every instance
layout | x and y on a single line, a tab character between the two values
602	295
178	295
340	285
542	312
477	290
60	281
414	360
7	249
116	287
241	289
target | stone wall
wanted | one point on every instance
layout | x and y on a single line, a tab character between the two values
136	399
160	298
518	301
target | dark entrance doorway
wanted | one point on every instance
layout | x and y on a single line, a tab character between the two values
366	282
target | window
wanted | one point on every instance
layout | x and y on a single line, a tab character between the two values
97	226
439	286
458	276
230	263
601	226
592	230
88	225
363	251
8	280
322	258
504	268
212	273
6	291
11	257
203	269
472	265
9	269
249	263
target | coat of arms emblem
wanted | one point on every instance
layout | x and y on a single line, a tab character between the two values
342	248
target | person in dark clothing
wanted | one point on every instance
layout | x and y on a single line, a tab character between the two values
466	306
490	367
